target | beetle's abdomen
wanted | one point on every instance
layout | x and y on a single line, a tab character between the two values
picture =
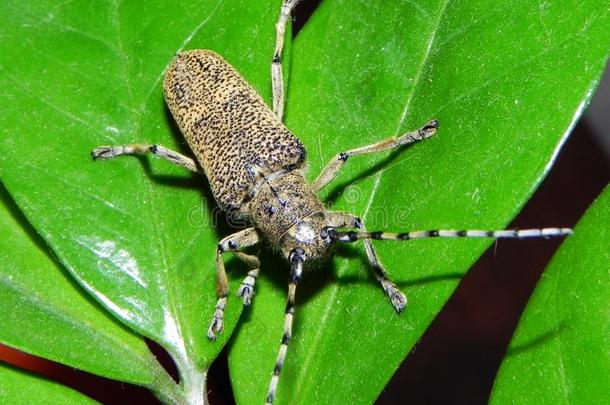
233	134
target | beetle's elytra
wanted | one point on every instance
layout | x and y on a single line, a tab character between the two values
255	167
233	134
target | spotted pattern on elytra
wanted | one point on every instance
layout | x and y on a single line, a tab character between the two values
233	134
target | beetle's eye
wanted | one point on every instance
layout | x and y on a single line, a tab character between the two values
325	232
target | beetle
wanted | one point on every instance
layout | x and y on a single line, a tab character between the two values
255	167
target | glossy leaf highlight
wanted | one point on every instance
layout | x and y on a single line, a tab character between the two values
48	315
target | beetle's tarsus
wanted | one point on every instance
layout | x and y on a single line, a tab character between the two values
246	290
397	298
103	153
216	325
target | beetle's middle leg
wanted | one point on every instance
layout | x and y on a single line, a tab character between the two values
397	298
246	289
332	168
110	152
244	238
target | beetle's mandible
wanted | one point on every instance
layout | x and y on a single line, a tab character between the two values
255	167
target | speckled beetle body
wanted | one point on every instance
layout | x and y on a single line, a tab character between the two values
253	162
255	167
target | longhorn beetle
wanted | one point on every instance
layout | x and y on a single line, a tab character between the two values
255	167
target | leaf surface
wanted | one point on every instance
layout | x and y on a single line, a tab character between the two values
49	316
507	81
138	234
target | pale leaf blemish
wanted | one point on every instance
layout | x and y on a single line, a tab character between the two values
476	195
112	129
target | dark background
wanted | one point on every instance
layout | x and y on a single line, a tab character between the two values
456	360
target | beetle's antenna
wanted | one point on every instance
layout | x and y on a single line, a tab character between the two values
350	236
296	259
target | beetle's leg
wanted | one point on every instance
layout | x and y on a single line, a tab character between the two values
109	152
296	260
336	163
277	79
398	299
244	238
348	220
246	289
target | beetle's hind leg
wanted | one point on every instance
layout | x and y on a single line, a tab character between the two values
348	220
277	79
244	238
110	152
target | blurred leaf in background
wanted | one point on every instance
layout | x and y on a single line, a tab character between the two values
561	350
21	387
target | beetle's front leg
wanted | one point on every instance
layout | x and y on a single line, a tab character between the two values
397	298
110	152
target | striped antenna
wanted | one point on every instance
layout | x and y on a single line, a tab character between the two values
351	236
296	270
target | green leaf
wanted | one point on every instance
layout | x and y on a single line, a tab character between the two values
560	353
507	81
49	316
20	387
138	234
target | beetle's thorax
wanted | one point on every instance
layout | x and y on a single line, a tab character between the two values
289	214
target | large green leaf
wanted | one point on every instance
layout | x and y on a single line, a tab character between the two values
19	387
137	234
561	351
47	315
507	81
